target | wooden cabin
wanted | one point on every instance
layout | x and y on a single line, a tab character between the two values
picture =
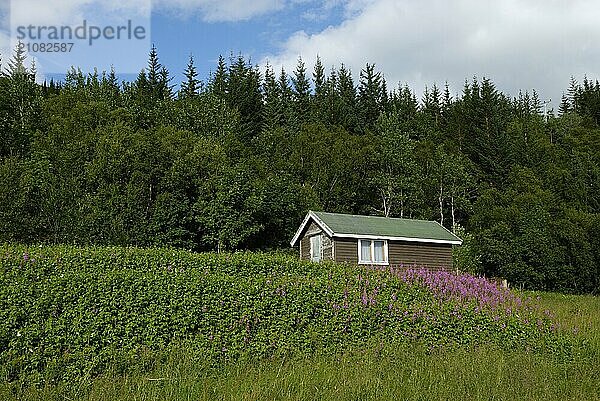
375	240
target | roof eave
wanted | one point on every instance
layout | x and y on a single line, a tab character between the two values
311	215
393	238
451	233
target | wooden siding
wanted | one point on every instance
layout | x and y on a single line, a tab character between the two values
312	229
305	248
346	250
427	255
434	256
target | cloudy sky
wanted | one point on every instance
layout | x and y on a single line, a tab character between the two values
526	44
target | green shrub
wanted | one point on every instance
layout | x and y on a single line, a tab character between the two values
69	312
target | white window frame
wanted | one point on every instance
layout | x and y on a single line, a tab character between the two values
320	256
372	252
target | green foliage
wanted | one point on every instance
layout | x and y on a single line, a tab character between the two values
20	100
243	93
372	96
523	237
191	85
398	172
301	94
465	257
236	163
380	372
68	312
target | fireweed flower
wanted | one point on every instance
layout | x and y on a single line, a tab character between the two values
465	292
460	287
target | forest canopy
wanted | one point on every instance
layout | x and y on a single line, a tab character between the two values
235	161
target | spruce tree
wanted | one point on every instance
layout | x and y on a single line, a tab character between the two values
346	110
157	80
319	77
244	94
536	103
318	111
271	117
165	89
370	96
565	105
447	102
385	96
218	83
300	93
153	75
110	89
331	100
574	94
432	103
16	65
285	98
22	110
404	102
191	86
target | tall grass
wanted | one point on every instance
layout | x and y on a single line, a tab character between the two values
578	314
483	373
404	373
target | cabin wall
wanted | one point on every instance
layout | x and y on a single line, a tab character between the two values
326	243
433	256
346	250
305	248
326	247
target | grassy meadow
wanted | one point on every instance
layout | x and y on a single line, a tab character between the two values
483	369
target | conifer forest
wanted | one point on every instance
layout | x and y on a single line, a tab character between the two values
234	161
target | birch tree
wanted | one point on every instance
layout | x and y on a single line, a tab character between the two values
395	180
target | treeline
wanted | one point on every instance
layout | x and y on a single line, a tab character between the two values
235	162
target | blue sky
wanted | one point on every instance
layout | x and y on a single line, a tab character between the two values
255	38
519	44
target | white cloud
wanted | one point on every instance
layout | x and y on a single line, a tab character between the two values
61	11
519	44
221	10
43	12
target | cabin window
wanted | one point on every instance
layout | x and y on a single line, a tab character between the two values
372	252
315	248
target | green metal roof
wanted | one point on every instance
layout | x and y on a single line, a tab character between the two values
341	224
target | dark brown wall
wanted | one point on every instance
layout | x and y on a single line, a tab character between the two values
405	253
305	248
346	250
420	254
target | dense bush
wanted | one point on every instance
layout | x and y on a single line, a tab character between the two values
68	312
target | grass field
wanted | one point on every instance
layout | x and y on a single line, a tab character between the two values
575	313
484	373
